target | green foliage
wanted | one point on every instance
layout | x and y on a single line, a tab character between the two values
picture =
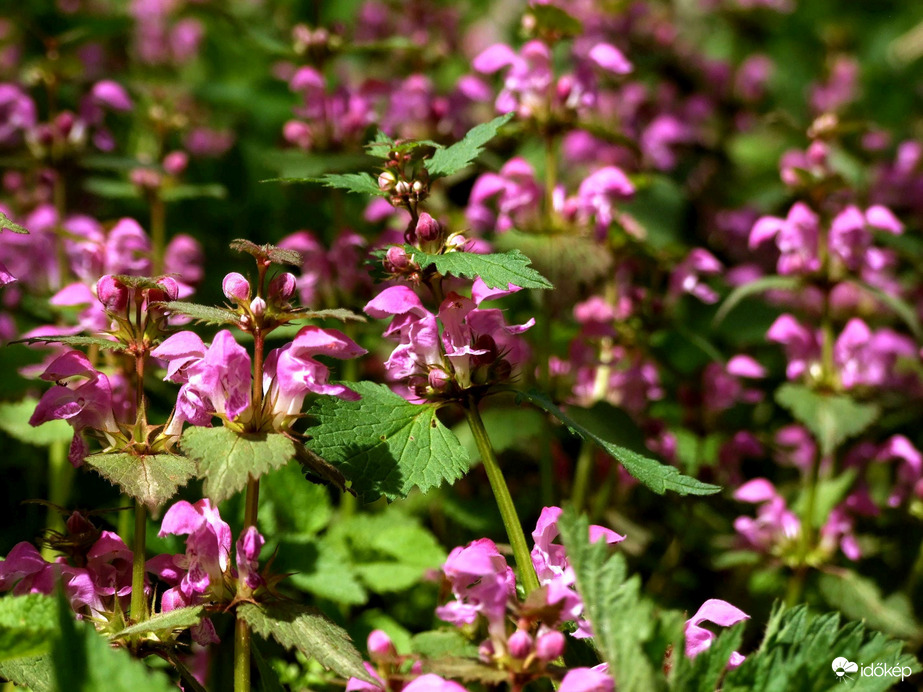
751	288
7	224
704	672
228	460
27	625
440	643
177	193
296	626
456	157
656	476
384	444
506	427
565	259
99	341
14	421
497	270
860	599
466	670
203	314
290	506
150	478
832	418
553	20
178	619
358	183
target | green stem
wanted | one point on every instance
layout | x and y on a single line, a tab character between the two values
241	657
138	606
503	498
582	474
60	473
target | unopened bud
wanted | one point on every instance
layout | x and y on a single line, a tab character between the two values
397	258
64	122
438	379
236	287
428	229
175	162
520	644
549	645
387	181
486	651
282	287
112	293
417	187
402	188
146	178
258	307
380	645
456	242
170	287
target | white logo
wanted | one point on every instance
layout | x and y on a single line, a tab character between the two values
842	666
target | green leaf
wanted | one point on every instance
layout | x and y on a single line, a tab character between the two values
564	258
860	598
112	189
622	622
269	678
466	670
341	314
439	643
752	288
7	224
456	157
34	672
27	625
900	307
183	192
506	428
178	619
101	342
290	505
704	672
551	19
359	183
150	478
828	493
14	421
656	476
228	460
203	314
323	568
384	444
85	662
497	270
297	626
832	418
269	252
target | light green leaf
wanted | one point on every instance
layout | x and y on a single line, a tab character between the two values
860	598
150	478
7	224
203	314
656	476
178	619
456	157
183	192
384	444
108	188
497	270
832	418
79	340
14	421
228	460
291	505
27	625
34	672
752	288
297	626
439	643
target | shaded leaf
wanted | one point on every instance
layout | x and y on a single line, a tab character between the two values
150	478
14	421
465	669
456	157
832	418
228	460
384	444
752	288
27	625
655	475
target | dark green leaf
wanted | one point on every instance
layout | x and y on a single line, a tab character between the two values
752	288
550	19
384	444
101	342
7	224
228	460
150	478
27	625
297	626
269	678
832	418
183	192
456	157
203	314
178	619
900	307
656	476
359	183
14	421
497	270
466	670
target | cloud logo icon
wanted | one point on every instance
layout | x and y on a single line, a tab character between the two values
841	666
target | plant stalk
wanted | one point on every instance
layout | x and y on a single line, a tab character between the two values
502	496
138	606
241	656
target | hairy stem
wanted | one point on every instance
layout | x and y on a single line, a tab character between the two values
503	498
241	657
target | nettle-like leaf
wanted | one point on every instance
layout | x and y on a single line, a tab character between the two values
150	478
860	598
655	475
77	340
28	625
178	619
623	623
34	672
832	418
799	647
7	224
497	270
203	314
269	252
384	444
296	626
341	314
228	460
456	157
14	421
704	672
382	145
358	183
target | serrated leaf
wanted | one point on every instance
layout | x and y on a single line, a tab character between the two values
466	669
150	478
655	475
203	314
270	252
454	158
497	270
860	598
297	626
384	444
622	622
178	619
439	643
228	460
14	421
101	342
752	288
565	259
832	418
182	192
34	672
341	314
7	224
27	625
359	183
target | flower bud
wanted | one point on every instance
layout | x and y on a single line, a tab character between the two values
486	651
387	181
236	287
397	258
380	645
520	644
258	307
549	645
456	241
175	162
170	287
282	287
402	188
438	379
112	293
146	178
428	229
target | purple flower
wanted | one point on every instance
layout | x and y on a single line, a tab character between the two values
796	237
587	680
111	94
17	114
867	358
686	276
774	523
505	200
433	683
598	194
248	554
909	468
722	613
802	345
482	583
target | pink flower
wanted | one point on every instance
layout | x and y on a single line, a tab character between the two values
686	276
719	612
774	523
796	237
587	680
